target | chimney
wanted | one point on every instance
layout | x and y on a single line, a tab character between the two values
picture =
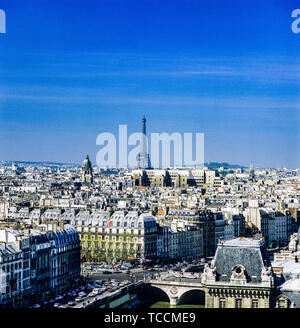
54	227
61	224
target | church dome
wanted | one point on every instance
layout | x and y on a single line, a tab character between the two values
86	164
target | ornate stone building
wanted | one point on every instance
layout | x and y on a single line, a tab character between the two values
121	236
87	171
240	276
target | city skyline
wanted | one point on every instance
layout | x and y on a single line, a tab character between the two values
69	73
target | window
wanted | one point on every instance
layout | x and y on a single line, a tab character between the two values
238	303
254	303
222	303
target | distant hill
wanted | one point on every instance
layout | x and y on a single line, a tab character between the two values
39	163
216	165
210	165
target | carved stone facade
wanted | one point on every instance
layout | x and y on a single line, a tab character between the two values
293	243
233	297
240	276
283	302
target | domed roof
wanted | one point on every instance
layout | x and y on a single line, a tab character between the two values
86	164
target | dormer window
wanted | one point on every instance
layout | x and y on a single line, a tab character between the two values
238	270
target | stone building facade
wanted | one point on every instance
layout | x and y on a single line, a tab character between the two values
36	264
240	276
120	236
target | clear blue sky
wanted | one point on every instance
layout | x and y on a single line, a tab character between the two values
70	70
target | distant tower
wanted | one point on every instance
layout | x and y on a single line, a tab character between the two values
144	161
87	171
251	173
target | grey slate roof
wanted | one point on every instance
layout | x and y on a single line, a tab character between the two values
251	254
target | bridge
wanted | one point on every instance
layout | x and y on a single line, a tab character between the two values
175	286
121	297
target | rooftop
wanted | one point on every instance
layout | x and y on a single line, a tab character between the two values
242	242
291	285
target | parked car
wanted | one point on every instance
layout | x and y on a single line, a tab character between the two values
117	271
78	299
127	271
72	303
92	294
96	289
35	306
59	297
106	272
56	305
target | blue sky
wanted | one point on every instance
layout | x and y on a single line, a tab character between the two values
70	70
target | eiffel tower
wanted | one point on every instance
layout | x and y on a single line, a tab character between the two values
143	157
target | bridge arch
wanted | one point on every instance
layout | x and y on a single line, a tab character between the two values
192	296
152	294
179	293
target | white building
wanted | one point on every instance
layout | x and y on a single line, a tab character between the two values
14	268
180	241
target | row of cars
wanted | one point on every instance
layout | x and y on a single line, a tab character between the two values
65	297
116	271
98	288
125	266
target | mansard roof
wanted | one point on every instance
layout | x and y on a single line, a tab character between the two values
249	253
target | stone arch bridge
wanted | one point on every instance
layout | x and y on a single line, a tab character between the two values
175	289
